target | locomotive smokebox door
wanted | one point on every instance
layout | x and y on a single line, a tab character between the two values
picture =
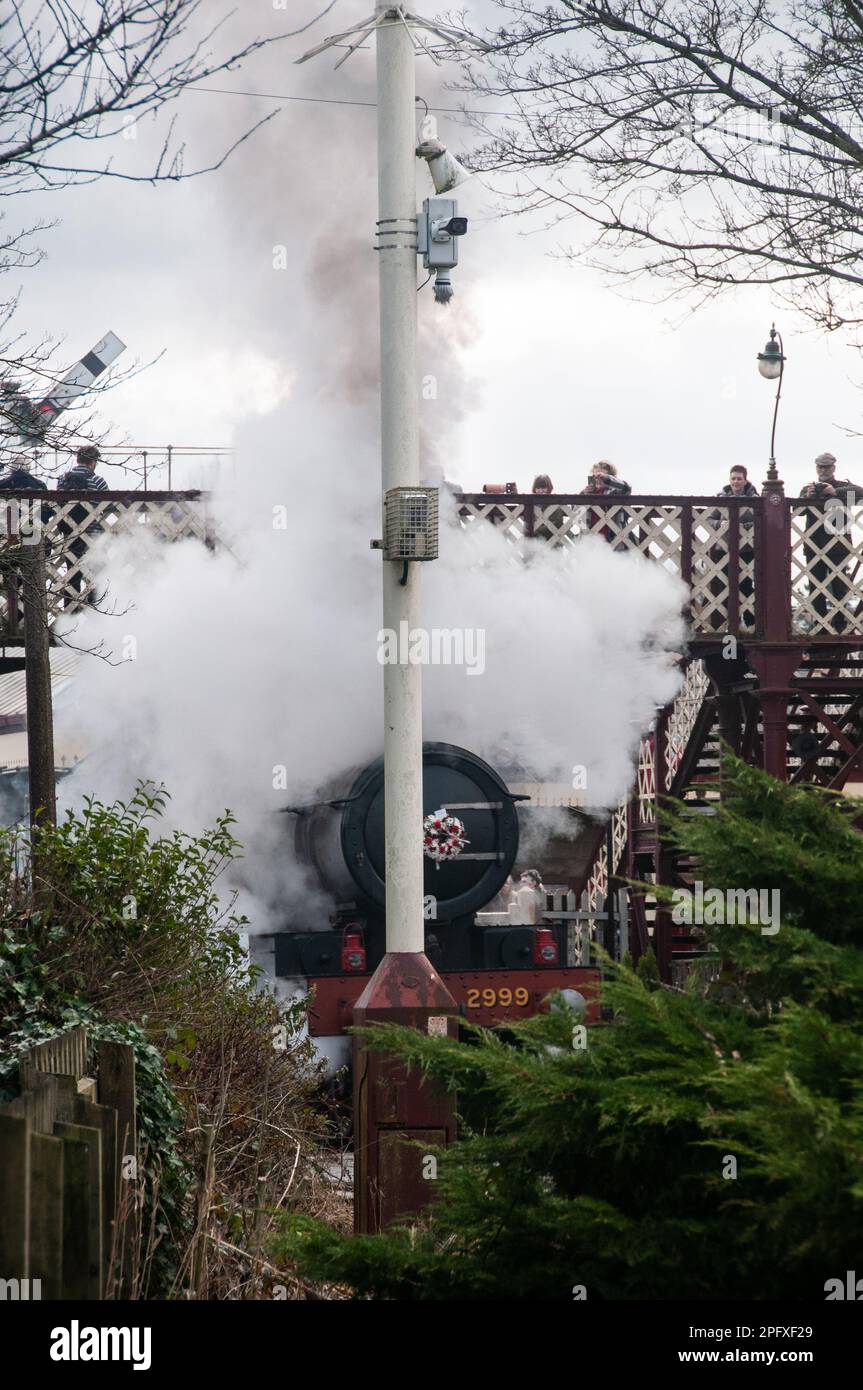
343	836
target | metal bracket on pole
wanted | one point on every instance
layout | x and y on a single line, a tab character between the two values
396	13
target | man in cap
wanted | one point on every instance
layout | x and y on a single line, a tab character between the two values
827	545
83	477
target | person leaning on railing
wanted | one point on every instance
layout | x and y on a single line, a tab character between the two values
738	485
81	478
826	548
550	525
604	482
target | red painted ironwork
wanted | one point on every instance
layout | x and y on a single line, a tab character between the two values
774	656
397	1110
335	998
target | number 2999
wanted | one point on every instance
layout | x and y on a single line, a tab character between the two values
490	998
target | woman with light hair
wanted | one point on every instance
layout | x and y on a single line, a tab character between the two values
604	480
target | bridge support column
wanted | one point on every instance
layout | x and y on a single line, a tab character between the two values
774	667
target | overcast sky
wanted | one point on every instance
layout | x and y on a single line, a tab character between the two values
546	367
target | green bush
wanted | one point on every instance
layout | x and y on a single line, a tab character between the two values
124	930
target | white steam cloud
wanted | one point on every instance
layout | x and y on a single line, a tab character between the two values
264	658
267	657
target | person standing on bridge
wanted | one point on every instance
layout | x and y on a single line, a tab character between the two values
738	485
827	545
18	477
551	525
604	482
78	526
83	477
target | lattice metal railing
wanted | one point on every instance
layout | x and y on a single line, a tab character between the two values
647	781
710	543
826	548
682	717
596	888
72	523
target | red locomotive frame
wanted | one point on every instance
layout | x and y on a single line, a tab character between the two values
332	1007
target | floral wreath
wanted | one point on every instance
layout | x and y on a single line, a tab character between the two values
443	836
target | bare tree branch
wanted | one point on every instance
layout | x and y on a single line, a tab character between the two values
73	74
702	144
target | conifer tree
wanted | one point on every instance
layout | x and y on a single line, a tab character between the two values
708	1142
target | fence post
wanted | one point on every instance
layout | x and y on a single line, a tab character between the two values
46	1213
76	1220
116	1074
89	1182
14	1197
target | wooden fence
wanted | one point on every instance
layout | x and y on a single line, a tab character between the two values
67	1144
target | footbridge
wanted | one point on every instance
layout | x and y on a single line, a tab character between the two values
773	664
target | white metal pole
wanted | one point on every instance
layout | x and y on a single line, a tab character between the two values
396	90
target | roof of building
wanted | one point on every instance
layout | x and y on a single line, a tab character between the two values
13	692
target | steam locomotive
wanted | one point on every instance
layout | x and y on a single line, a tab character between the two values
498	965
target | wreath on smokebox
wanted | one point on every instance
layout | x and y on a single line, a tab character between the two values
443	836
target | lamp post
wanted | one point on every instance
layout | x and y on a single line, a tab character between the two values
771	365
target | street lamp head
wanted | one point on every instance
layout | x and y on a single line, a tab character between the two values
772	359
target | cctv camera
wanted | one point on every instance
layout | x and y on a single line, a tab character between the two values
442	228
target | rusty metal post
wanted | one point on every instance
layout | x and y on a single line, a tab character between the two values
395	1109
37	675
663	861
775	658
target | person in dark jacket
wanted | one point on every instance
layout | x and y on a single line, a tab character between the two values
827	546
739	485
83	477
18	477
604	482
